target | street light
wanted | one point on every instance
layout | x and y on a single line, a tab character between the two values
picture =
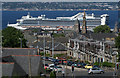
52	46
115	53
44	49
20	42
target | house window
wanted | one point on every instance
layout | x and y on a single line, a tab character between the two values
84	57
70	53
90	57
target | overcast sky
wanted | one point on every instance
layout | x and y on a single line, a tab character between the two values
60	0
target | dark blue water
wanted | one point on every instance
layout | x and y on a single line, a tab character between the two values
11	16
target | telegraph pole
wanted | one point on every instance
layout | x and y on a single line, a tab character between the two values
29	61
52	46
20	42
44	48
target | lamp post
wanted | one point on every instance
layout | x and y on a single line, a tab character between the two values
52	46
29	61
44	49
20	42
115	53
38	52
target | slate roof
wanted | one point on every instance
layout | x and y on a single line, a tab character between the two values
57	46
22	63
7	68
60	47
61	39
57	39
99	36
18	51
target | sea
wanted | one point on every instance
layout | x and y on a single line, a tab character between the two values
11	16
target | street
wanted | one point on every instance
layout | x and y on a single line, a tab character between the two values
82	73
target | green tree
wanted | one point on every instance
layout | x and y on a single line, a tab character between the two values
11	38
117	44
102	29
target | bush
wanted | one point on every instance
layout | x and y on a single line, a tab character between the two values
87	62
59	35
41	53
52	74
105	64
58	55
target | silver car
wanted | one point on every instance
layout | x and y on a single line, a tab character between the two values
58	69
95	70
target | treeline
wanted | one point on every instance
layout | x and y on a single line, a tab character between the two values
59	5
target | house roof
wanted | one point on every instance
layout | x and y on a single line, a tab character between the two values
57	46
18	51
7	68
22	63
99	36
56	39
60	47
6	62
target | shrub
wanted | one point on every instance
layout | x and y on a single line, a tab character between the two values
52	74
105	64
87	62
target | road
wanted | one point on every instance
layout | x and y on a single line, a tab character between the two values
82	73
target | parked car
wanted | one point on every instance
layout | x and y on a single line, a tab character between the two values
55	61
52	67
79	65
75	64
45	58
60	62
69	63
58	68
95	70
50	58
95	66
46	66
64	62
83	65
88	66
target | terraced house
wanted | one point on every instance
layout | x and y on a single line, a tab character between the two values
86	49
85	45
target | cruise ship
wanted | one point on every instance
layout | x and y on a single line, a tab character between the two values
60	22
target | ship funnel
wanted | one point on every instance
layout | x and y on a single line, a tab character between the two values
28	13
92	14
28	16
43	16
8	23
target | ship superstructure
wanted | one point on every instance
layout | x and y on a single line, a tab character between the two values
61	22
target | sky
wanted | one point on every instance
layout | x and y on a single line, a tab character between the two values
59	0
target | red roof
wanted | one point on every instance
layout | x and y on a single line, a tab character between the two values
6	62
24	55
20	55
19	48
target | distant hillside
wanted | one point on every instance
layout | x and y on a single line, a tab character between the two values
60	6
